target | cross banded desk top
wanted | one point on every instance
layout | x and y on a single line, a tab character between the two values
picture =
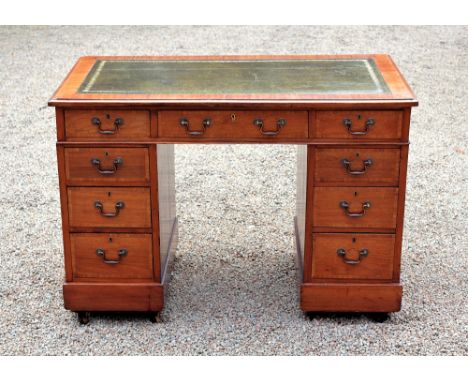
234	79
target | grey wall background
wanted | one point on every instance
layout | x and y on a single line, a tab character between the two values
234	283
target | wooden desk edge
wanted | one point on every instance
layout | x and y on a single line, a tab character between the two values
236	104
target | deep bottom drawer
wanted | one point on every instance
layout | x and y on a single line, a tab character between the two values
353	256
119	256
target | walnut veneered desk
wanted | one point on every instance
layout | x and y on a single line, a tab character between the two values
118	118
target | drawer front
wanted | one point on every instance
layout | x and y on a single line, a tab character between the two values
358	207
109	207
357	125
106	125
106	166
111	256
357	166
352	256
233	125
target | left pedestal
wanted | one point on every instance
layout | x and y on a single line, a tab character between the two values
117	196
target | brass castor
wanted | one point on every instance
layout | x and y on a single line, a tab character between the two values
83	318
155	317
380	317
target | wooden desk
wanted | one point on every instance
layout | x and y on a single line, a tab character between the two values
117	121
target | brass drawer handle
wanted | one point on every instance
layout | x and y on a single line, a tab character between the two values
102	253
280	123
349	125
342	253
347	165
184	122
116	163
345	205
100	207
117	123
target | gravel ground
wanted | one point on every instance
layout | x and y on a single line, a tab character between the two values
234	288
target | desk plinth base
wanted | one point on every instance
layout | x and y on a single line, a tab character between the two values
137	297
116	297
324	297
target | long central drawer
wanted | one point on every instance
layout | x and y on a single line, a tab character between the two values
233	125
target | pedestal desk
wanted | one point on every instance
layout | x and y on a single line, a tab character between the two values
118	119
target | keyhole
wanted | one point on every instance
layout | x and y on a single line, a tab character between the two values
110	239
109	194
106	154
355	193
233	117
359	116
357	155
354	239
108	116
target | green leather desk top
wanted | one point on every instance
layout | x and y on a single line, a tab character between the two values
339	76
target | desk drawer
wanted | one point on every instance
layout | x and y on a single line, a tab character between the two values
357	166
109	207
107	125
355	207
357	125
94	166
233	125
120	256
352	256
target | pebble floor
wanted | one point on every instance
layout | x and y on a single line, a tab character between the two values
234	283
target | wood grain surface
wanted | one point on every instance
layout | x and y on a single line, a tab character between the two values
136	264
351	297
233	125
133	170
376	265
83	213
330	125
79	126
137	297
381	214
330	170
